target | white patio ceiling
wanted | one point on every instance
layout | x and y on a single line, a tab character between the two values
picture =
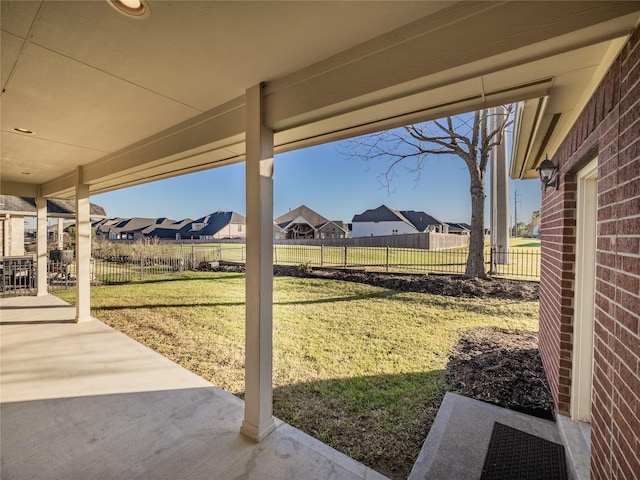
138	100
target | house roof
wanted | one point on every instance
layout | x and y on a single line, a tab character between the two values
381	214
329	70
459	226
135	224
299	215
166	230
214	222
419	220
55	208
336	223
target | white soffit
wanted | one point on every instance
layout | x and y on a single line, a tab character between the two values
187	47
542	126
136	100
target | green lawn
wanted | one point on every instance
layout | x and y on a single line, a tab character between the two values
356	366
530	243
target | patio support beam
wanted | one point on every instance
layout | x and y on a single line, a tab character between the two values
41	245
258	411
83	249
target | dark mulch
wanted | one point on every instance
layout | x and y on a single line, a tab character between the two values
449	285
501	367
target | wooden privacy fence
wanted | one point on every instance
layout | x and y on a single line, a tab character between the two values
517	263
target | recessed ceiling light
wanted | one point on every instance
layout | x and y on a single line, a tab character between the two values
131	8
24	130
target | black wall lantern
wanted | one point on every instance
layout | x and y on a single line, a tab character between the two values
548	174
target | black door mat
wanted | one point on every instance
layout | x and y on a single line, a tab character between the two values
517	455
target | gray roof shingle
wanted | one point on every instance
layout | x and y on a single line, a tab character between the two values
315	219
419	220
55	208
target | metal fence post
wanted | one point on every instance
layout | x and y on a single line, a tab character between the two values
321	255
492	260
345	256
387	258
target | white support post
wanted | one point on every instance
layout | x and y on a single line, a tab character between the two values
258	411
83	250
5	235
60	234
41	245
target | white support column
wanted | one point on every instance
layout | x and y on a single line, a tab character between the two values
6	248
500	194
83	250
258	411
41	245
60	234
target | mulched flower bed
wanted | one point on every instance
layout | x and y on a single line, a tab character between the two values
449	285
501	367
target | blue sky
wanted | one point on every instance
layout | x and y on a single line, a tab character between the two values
326	180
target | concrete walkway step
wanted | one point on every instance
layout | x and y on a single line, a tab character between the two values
459	437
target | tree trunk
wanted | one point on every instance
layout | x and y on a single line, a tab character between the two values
475	261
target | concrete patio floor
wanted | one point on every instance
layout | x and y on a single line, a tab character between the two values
83	401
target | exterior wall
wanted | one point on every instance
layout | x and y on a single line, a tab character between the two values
331	231
609	128
232	230
368	229
12	238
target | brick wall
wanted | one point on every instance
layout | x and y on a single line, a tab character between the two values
609	127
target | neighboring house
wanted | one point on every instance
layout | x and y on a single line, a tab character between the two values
590	275
278	233
459	228
387	221
129	228
304	223
167	231
210	227
13	211
333	229
214	226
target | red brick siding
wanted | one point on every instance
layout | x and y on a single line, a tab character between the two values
609	126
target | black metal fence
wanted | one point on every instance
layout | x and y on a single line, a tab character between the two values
17	276
515	263
19	273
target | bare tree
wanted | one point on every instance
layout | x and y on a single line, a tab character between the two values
468	136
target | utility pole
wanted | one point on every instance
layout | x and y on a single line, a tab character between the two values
499	195
515	213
